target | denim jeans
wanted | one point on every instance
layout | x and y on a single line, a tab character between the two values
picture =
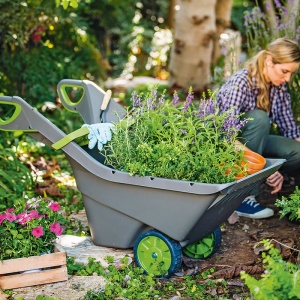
256	136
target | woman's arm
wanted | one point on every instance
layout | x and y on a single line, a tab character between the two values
275	180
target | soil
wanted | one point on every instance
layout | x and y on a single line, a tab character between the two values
241	245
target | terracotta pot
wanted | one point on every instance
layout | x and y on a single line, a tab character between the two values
254	161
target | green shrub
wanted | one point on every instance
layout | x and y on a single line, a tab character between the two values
290	206
15	178
281	279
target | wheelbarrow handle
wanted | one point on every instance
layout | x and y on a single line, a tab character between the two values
20	116
91	100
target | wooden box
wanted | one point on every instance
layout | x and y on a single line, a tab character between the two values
50	268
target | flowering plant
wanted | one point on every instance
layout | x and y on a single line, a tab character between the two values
169	139
30	230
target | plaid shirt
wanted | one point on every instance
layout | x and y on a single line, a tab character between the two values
238	93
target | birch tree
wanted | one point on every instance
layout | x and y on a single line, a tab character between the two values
197	26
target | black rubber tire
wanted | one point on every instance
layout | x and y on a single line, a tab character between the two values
157	254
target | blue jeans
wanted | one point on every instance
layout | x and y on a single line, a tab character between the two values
256	136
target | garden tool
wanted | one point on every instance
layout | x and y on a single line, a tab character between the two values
104	104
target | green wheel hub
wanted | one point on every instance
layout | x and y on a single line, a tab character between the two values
204	247
154	253
157	254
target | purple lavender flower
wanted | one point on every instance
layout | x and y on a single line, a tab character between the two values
183	131
154	94
149	103
151	100
232	124
175	98
207	107
161	100
189	99
268	6
277	3
136	100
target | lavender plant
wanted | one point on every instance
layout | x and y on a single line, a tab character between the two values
176	139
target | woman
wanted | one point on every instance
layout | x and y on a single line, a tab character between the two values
260	92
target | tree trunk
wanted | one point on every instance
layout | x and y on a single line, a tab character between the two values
171	13
195	31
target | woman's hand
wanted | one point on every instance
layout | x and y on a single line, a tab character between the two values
275	181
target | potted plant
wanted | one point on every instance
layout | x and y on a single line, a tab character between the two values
186	140
28	233
30	230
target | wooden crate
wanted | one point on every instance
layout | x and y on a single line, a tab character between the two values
52	267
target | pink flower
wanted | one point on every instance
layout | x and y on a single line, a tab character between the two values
10	217
54	206
34	214
56	228
23	218
37	231
9	210
2	218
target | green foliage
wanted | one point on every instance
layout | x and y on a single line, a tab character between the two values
49	45
125	280
166	139
15	178
281	279
290	206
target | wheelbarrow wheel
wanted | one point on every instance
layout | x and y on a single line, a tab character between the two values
204	247
157	254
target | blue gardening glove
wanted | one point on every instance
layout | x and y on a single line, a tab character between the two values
100	133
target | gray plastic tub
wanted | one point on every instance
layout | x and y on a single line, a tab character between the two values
120	207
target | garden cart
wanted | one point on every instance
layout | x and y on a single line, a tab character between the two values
162	219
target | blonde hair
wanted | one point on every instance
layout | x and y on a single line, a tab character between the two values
282	51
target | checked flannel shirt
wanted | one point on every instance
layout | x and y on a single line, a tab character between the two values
238	93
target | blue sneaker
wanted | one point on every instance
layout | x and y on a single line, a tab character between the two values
250	208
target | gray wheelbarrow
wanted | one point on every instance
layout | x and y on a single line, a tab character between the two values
162	219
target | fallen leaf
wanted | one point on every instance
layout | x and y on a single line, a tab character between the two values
285	246
235	283
235	271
